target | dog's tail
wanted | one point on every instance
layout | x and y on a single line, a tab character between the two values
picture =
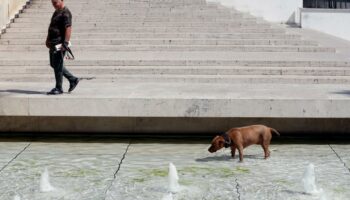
275	131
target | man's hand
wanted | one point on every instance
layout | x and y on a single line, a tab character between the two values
65	45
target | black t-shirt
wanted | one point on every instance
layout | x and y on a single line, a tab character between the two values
60	20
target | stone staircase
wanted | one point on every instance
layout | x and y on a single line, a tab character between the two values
155	50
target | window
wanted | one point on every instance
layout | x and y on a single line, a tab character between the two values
333	4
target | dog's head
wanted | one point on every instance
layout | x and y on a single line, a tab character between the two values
217	144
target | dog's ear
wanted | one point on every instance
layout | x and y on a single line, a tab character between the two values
221	143
214	139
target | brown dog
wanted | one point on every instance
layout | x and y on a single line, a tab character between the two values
240	138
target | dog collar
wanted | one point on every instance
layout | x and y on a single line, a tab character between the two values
227	139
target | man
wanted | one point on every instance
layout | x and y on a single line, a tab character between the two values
59	32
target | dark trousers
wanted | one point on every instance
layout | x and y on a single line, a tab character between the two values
57	63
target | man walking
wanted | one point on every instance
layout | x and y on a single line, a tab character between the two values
59	32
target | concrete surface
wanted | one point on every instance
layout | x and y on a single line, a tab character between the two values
130	99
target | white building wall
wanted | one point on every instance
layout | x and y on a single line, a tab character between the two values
331	21
8	10
280	11
334	22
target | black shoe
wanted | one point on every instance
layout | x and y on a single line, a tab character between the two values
73	84
55	91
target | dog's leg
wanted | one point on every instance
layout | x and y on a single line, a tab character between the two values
265	146
240	151
233	151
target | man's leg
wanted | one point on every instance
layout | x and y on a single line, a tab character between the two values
56	62
66	73
73	81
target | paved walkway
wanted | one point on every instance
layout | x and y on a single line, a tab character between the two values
131	169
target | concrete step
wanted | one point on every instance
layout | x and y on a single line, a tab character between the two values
133	2
132	35
147	24
72	5
138	14
251	79
171	58
117	15
129	1
127	9
196	58
160	41
116	48
182	70
172	62
77	19
87	5
173	100
151	3
156	30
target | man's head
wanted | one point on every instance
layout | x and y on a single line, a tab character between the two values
57	4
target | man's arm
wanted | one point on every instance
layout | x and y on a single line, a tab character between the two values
68	33
67	22
47	42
